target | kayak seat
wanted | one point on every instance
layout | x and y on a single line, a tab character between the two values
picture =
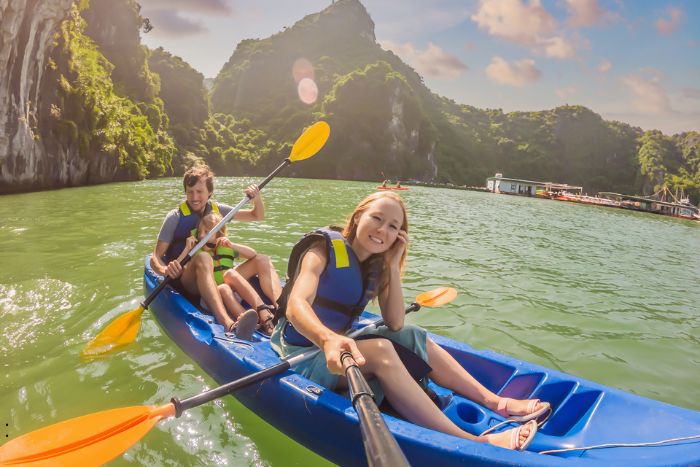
574	412
522	386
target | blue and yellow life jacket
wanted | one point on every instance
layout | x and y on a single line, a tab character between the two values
188	220
344	289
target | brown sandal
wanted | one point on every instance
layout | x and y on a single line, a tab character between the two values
266	325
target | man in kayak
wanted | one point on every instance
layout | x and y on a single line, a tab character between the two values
196	280
333	275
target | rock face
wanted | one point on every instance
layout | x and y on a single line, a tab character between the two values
26	38
32	155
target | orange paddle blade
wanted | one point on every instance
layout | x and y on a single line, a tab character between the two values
436	297
88	440
120	332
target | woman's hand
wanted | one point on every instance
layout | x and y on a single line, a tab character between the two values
334	346
252	191
393	256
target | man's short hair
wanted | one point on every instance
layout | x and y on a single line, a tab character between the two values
195	174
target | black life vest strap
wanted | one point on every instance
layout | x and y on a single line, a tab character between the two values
217	257
347	310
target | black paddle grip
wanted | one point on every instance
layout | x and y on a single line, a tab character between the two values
381	447
356	382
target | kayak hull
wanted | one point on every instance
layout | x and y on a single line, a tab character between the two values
585	413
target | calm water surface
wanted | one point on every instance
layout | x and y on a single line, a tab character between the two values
605	294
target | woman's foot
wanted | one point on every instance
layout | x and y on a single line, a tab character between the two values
517	439
266	314
523	410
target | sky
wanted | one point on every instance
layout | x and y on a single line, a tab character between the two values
636	61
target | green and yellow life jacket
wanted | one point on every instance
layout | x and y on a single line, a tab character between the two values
223	260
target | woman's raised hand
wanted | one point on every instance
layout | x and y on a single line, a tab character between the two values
334	347
393	256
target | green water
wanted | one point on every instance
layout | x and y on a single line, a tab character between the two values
605	294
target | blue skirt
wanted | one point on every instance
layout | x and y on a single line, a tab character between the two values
410	336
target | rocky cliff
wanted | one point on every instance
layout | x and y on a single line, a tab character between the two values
27	28
68	115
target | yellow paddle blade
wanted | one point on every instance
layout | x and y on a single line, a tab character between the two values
436	297
88	440
118	333
310	142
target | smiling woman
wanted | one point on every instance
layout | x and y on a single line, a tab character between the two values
332	277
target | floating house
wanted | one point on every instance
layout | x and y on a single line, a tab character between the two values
514	186
662	202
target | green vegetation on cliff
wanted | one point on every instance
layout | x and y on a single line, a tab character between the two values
92	112
118	98
385	119
184	95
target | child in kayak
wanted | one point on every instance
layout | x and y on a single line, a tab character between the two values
230	278
333	274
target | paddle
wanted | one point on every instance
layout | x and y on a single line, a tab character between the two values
123	329
381	448
99	437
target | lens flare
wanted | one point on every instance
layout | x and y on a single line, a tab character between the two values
301	69
307	90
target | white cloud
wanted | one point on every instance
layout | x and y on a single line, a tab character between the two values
528	24
584	13
433	61
604	66
172	24
515	21
566	92
217	7
518	74
558	47
648	96
668	26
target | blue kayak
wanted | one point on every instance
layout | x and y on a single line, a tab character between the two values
584	413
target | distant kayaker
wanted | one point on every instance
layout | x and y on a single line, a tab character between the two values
398	184
333	274
196	279
231	277
384	183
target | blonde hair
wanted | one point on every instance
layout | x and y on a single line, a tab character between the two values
209	221
350	231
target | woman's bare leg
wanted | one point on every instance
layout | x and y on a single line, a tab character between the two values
448	373
409	399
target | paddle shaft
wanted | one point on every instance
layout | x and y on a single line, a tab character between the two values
381	448
213	232
284	365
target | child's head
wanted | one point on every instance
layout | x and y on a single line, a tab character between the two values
385	203
207	223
